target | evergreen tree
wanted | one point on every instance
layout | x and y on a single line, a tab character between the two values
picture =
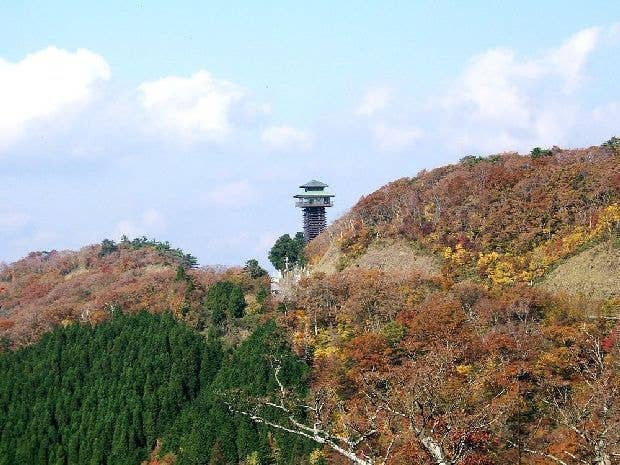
223	300
254	269
104	395
99	395
288	250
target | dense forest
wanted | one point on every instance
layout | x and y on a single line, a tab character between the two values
105	394
506	217
128	352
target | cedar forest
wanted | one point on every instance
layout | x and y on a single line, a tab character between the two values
128	353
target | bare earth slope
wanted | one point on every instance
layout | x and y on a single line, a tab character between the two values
594	273
386	255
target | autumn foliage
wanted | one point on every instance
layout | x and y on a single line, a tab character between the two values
476	365
473	364
46	289
482	375
506	217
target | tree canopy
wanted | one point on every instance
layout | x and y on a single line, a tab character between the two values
287	247
106	394
224	300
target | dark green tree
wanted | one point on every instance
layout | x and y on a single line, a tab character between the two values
537	152
107	247
254	269
288	250
224	299
101	394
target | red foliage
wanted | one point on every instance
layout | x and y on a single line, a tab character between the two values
50	288
469	203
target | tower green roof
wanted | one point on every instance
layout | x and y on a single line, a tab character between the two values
313	183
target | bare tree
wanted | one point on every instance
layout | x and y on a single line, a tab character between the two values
307	419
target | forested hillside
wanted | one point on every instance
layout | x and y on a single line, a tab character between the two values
46	289
469	316
109	394
507	217
475	363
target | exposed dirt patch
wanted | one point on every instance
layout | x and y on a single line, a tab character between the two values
594	273
385	255
76	272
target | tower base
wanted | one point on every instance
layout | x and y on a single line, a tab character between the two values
314	222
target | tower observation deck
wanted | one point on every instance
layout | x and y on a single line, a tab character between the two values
313	200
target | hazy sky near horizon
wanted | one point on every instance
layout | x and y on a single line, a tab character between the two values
194	122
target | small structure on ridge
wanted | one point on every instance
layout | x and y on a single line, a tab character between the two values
313	200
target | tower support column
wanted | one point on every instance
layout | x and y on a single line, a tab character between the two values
314	222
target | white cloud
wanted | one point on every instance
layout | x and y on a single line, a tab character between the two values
234	194
378	108
374	100
570	58
391	138
502	101
490	86
43	85
280	138
194	108
148	224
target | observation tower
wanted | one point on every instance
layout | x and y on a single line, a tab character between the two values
313	200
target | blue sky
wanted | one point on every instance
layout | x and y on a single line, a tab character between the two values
194	122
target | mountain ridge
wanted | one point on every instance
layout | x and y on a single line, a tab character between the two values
506	217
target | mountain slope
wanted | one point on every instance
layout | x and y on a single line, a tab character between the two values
46	289
594	273
510	353
108	394
435	333
505	218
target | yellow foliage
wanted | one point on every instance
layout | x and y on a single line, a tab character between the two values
485	260
464	369
317	456
506	269
574	240
298	336
325	352
447	252
355	244
501	269
324	337
609	220
340	428
557	360
345	332
253	308
429	211
458	256
252	459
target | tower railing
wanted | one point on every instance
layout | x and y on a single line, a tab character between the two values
315	203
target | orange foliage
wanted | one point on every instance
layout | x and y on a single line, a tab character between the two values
466	359
508	216
50	288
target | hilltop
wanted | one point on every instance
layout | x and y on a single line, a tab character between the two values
51	288
474	309
506	218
